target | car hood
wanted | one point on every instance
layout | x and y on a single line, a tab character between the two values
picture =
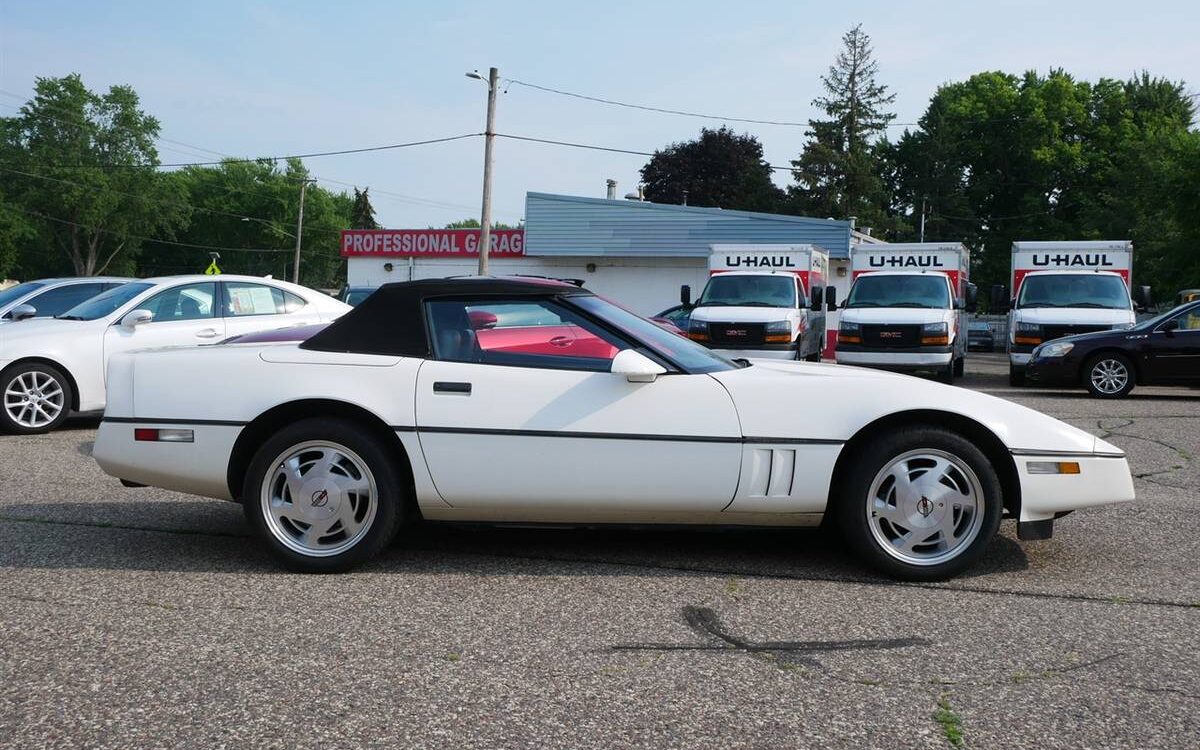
39	328
826	402
1074	316
741	314
894	315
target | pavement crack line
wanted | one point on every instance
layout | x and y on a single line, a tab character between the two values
121	527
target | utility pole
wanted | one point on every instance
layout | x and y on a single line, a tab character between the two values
299	231
489	136
922	237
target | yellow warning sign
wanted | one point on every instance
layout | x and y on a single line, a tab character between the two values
213	269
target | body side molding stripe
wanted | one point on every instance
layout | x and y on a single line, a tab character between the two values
155	420
1063	454
614	435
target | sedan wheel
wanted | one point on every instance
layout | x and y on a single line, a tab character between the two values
324	494
1110	376
919	504
37	398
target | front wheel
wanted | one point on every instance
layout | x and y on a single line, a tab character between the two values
1016	378
919	504
37	398
1109	375
324	495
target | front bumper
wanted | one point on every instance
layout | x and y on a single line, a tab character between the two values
1052	371
916	358
1103	479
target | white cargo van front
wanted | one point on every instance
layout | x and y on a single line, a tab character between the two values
906	309
762	302
1064	288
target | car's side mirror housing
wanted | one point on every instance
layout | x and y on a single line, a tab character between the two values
636	367
999	299
818	298
972	298
831	298
23	312
135	318
1170	327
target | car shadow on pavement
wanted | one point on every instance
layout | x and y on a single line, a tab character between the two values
206	536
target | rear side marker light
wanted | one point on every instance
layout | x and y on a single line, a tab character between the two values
698	336
155	435
1053	467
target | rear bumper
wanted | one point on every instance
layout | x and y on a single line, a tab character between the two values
198	468
1102	480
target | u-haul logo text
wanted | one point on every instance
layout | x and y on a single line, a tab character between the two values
759	261
1088	260
905	261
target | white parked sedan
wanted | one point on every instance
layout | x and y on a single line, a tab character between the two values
501	400
50	367
46	298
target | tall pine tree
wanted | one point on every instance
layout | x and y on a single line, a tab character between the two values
362	215
837	174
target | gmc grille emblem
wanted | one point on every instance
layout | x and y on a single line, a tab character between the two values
735	332
890	334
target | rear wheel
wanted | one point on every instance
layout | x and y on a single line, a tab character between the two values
324	495
919	504
1016	378
1109	375
36	398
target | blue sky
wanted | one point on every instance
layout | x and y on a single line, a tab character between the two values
261	78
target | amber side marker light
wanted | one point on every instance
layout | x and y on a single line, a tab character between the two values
1053	467
1032	340
935	341
844	339
778	338
698	336
154	435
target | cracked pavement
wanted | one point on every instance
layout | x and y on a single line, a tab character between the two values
136	617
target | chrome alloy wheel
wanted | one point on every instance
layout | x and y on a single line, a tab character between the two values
34	399
320	498
1109	376
925	507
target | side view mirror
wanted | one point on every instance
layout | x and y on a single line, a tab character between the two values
972	298
23	312
685	295
1143	298
960	303
1170	326
999	299
636	367
482	319
135	318
831	298
818	298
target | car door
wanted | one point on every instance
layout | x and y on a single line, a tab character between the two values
249	307
1175	354
184	314
547	428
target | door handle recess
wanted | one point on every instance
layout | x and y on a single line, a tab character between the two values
207	333
560	341
442	386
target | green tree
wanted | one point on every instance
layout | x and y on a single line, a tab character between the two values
474	224
81	168
838	172
362	214
721	169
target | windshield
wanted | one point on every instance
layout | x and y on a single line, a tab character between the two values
689	355
1074	290
18	291
727	290
106	303
902	290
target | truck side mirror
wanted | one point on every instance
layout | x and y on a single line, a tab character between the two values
818	298
685	295
972	298
960	303
999	300
831	298
1143	299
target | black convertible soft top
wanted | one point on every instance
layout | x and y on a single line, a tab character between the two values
392	321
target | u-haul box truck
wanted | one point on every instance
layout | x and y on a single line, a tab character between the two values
906	309
762	301
1064	288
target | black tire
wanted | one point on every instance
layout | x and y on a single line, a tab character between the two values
1016	377
381	465
946	374
14	378
853	497
960	367
1113	363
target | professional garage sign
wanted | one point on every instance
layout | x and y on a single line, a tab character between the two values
429	243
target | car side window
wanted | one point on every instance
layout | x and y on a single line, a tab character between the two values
519	333
187	302
242	298
60	299
1189	321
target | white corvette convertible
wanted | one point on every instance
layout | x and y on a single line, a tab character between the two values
50	367
505	400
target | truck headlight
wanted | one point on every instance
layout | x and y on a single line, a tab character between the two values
935	334
1028	333
1053	349
697	330
778	332
849	333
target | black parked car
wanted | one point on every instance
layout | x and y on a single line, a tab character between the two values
979	338
1161	351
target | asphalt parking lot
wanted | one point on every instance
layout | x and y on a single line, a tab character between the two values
136	617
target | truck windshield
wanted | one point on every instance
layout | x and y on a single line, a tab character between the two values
901	290
1074	290
729	290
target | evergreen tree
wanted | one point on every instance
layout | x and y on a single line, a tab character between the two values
363	213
